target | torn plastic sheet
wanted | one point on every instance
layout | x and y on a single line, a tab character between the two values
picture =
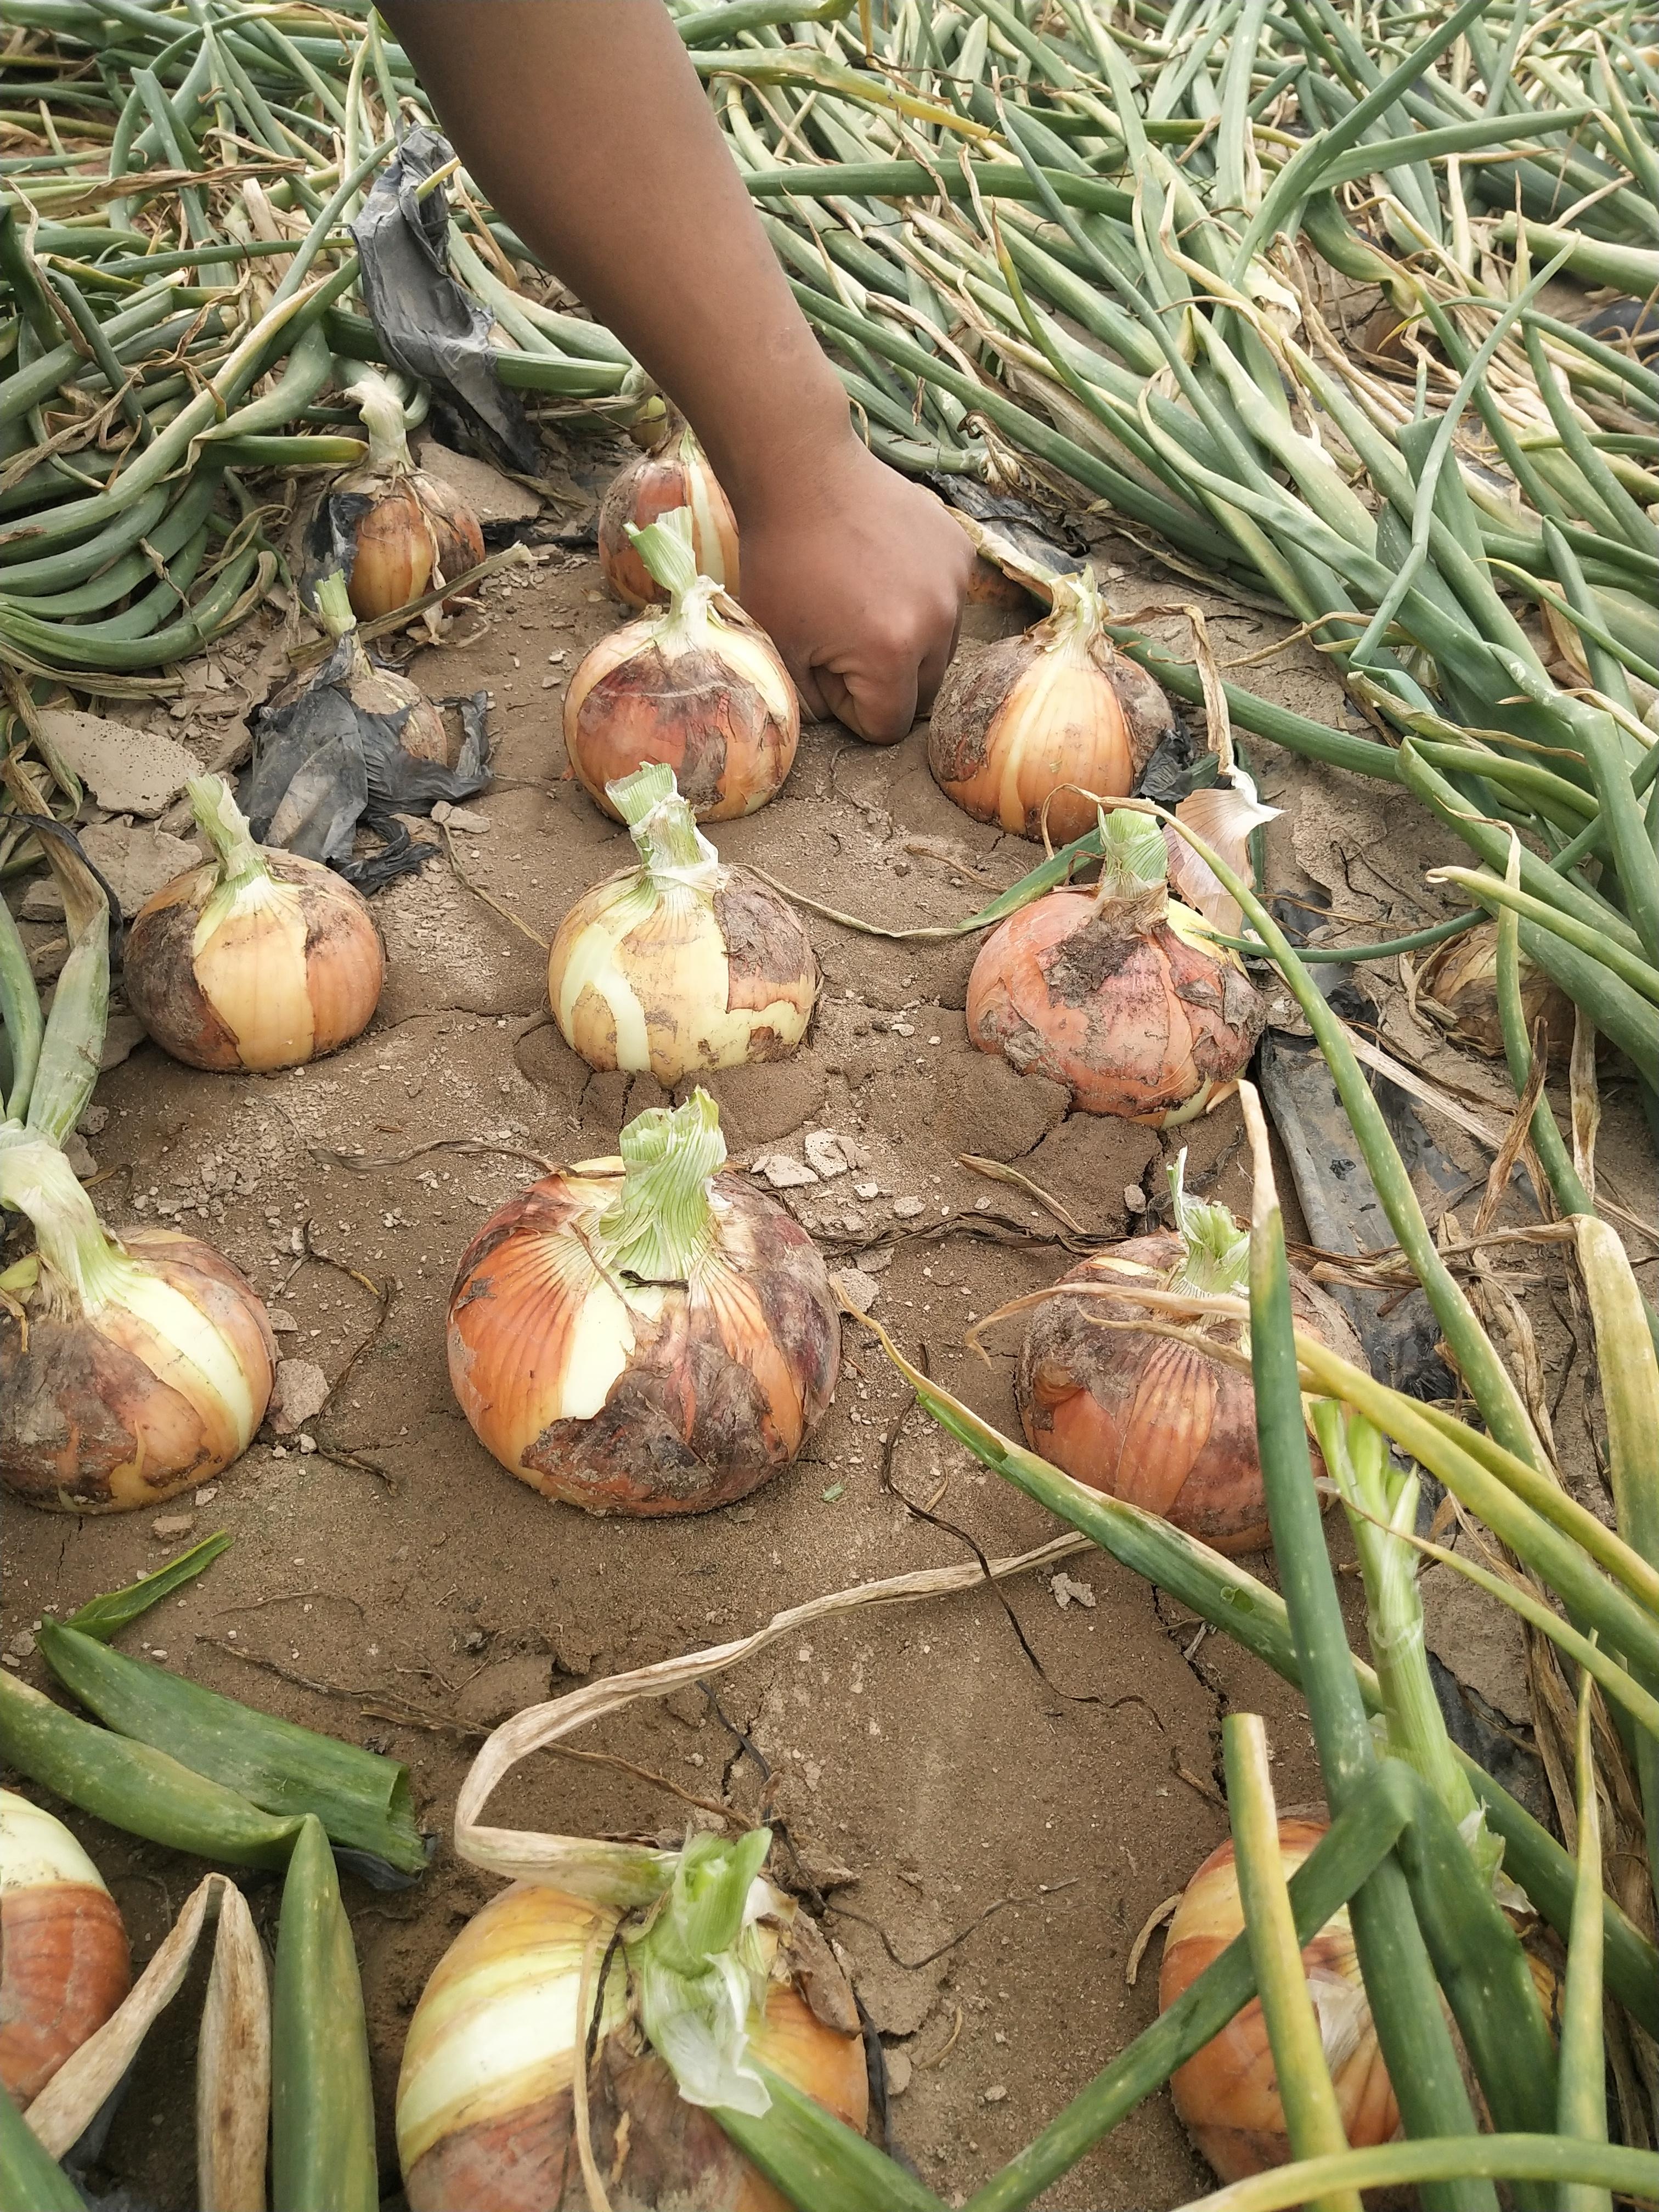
429	325
324	767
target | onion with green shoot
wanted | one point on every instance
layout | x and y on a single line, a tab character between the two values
258	959
696	686
131	1367
1022	730
674	473
1121	993
402	530
682	962
509	2088
1159	1423
646	1334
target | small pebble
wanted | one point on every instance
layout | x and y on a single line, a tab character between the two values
907	1208
207	1493
168	1526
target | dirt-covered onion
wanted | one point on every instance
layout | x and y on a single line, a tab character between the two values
681	963
1018	720
64	1958
1121	993
674	473
486	2095
1141	1417
1227	2096
257	959
697	687
644	1335
399	531
1457	984
129	1369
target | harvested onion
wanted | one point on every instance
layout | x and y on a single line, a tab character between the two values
645	1334
674	473
1121	995
1227	2096
398	531
681	963
1018	720
486	2094
1147	1420
258	959
1458	985
698	687
64	1962
129	1369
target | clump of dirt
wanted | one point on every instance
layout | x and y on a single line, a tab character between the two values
988	1838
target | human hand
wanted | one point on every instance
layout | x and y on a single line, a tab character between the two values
858	577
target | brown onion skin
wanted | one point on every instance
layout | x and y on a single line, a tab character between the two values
345	965
64	1967
975	712
672	2154
693	711
649	488
1462	977
1227	2095
414	524
86	1427
1133	1025
1150	1421
686	1426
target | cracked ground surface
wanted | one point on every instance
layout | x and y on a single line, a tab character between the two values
394	1586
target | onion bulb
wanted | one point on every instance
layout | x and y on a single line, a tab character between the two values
680	963
1018	720
698	687
486	2094
257	959
646	1334
64	1961
1147	1420
400	532
1120	994
130	1368
1227	2095
1458	985
674	473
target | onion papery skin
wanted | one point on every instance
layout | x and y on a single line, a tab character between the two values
485	2097
1149	1421
654	1398
1132	1024
64	1964
1227	2095
1019	718
126	1404
675	473
1461	977
291	975
412	533
702	979
719	708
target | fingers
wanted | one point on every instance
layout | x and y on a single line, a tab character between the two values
815	707
877	705
932	673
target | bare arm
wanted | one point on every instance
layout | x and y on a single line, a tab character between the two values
586	123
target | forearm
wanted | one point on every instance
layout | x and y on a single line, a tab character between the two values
586	125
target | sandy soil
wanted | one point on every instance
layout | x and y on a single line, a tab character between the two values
388	1582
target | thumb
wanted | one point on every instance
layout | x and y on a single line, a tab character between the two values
878	709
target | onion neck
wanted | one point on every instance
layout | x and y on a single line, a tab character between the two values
1133	894
662	1222
1074	624
665	548
1215	1261
382	412
82	1267
701	1969
664	829
224	825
